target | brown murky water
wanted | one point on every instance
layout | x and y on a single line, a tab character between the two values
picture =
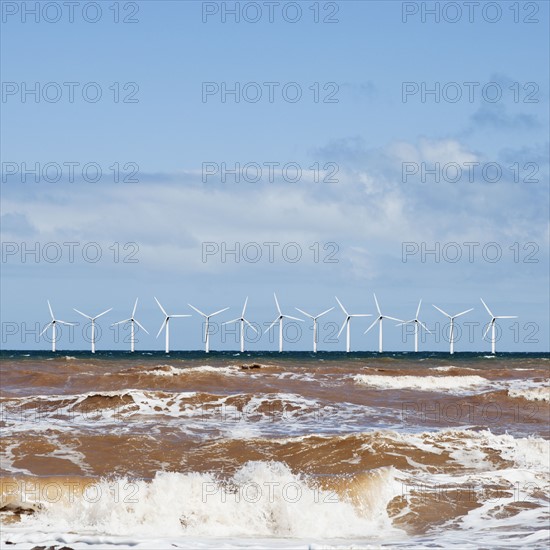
424	445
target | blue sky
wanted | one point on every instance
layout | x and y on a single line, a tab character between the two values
369	133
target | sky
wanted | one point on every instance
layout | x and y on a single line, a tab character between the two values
327	149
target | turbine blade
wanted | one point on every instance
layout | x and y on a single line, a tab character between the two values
244	307
418	308
487	308
361	315
106	311
376	302
342	327
251	326
140	326
271	325
343	308
487	330
180	316
277	303
372	325
220	311
394	319
51	311
135	307
464	312
197	310
120	322
232	321
424	326
83	314
304	313
444	313
324	312
161	308
293	318
162	326
506	317
46	328
65	323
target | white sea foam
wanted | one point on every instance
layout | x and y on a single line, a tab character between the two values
170	370
265	505
450	367
262	499
531	394
451	384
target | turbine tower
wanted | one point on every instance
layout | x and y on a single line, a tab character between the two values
347	322
207	325
314	317
492	324
452	326
133	321
53	324
379	320
416	322
165	325
92	319
242	321
279	319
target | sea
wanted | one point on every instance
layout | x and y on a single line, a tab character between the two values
274	450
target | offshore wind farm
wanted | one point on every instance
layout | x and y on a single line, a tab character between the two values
244	324
274	275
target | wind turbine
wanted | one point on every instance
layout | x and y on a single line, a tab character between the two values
132	322
416	322
207	325
242	321
166	325
279	319
52	324
92	319
492	324
452	325
314	317
379	320
347	322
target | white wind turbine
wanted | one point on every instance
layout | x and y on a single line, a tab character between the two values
379	320
492	324
53	324
347	322
133	321
92	319
452	326
314	317
166	325
416	322
242	321
279	319
207	325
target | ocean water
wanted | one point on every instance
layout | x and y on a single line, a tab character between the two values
269	450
